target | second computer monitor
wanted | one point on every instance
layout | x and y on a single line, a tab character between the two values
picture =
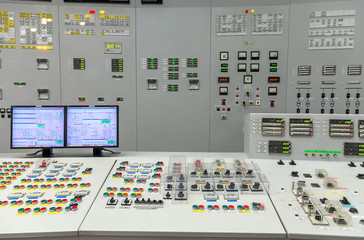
94	127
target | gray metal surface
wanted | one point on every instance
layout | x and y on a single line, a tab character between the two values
173	121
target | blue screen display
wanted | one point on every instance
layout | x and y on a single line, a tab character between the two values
37	127
92	126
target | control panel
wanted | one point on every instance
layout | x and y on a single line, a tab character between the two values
54	193
248	61
29	58
325	60
309	136
210	197
184	73
97	59
317	200
173	75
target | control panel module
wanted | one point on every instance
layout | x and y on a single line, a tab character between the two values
317	199
53	193
309	136
195	197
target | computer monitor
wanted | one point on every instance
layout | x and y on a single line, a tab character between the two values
38	127
93	127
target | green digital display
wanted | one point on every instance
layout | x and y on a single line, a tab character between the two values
112	46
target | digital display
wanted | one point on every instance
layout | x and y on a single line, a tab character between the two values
37	127
112	47
92	126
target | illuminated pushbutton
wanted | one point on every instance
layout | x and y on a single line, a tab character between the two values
124	163
36	210
74	208
231	207
210	207
195	207
225	207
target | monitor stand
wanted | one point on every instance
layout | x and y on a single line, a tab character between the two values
47	152
98	151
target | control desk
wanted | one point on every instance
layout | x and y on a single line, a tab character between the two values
48	197
317	199
193	197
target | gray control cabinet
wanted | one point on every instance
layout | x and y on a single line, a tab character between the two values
29	59
244	77
173	52
184	73
325	57
98	60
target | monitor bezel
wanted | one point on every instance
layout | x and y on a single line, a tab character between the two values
34	106
95	106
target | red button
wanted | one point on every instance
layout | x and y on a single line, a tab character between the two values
201	207
231	207
216	206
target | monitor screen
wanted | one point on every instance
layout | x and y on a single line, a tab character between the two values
37	127
92	126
